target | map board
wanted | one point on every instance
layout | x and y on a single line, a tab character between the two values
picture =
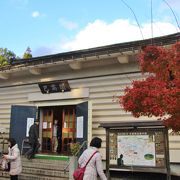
141	146
137	148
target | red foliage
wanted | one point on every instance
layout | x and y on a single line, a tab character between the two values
159	94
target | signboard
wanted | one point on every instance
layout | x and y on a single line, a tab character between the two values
54	87
140	146
79	127
137	148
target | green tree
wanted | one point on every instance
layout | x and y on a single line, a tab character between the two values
6	56
27	54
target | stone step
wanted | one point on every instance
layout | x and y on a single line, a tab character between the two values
4	178
44	166
40	177
4	174
45	172
47	161
39	174
40	169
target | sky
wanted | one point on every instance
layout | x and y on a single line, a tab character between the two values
55	26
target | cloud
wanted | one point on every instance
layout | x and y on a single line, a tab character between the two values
99	33
36	14
68	24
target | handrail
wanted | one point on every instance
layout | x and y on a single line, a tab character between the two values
3	142
82	145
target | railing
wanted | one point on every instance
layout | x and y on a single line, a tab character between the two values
2	143
76	154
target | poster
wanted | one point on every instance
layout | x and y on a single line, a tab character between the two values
44	125
137	150
79	127
30	122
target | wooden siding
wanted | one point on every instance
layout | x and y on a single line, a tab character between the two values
103	95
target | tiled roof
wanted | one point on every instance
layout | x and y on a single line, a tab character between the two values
97	51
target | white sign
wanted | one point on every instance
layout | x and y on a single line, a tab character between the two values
44	125
79	127
30	122
137	150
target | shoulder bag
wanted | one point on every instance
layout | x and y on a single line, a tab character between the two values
79	172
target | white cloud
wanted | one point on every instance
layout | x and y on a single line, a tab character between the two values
99	33
36	14
67	24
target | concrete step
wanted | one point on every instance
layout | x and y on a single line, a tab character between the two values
36	177
45	172
4	174
4	178
40	169
47	161
43	166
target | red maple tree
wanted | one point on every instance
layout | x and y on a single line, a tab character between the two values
159	94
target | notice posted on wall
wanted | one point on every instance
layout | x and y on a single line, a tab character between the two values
30	122
44	125
79	127
137	150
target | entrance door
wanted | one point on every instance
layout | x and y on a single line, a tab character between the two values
72	126
68	127
47	129
19	119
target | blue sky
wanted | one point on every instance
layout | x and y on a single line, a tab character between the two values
54	26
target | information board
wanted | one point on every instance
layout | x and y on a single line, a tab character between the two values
137	148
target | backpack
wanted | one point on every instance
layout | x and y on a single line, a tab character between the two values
79	172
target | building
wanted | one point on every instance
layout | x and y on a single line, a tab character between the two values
72	85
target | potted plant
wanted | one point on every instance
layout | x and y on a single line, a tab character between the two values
74	149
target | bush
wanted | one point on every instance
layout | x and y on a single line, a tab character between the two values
74	148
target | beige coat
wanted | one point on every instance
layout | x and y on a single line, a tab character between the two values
15	160
94	166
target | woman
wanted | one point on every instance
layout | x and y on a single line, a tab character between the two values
14	158
94	166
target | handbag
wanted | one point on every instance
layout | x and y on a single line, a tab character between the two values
5	165
79	172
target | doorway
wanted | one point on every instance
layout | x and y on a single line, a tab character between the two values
68	118
58	128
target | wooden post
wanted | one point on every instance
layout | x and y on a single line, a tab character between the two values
168	176
107	154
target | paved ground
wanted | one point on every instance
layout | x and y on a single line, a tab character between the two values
140	176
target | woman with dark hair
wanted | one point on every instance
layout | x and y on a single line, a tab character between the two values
14	158
94	167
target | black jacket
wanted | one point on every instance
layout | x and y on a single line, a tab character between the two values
33	134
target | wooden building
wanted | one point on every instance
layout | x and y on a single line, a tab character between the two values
55	86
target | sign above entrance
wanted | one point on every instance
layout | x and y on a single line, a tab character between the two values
54	87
